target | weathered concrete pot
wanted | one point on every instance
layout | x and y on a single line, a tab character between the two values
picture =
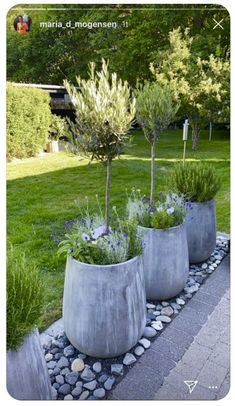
27	373
165	258
104	306
201	231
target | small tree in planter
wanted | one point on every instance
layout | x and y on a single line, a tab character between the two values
58	128
27	374
104	113
104	296
199	184
155	109
165	254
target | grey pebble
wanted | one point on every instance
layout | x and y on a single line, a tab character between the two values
54	393
63	362
58	355
69	351
84	395
150	306
64	389
109	383
117	369
87	374
68	397
139	350
146	343
164	319
71	377
59	379
129	359
64	371
180	302
90	385
51	364
191	289
77	391
97	367
103	378
56	371
48	357
99	393
167	311
150	332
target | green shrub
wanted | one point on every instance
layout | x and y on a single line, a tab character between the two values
24	298
198	182
28	120
58	127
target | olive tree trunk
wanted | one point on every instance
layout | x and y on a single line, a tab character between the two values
107	194
195	135
153	172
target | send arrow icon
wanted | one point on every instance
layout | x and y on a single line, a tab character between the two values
191	385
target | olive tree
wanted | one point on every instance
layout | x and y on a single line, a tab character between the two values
104	109
155	109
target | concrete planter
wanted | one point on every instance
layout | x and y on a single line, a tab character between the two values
165	258
53	146
104	306
27	373
201	231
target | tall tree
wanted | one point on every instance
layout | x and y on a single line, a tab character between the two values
201	85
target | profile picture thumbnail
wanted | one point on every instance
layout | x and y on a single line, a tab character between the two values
22	24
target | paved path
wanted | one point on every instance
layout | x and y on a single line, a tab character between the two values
206	361
194	347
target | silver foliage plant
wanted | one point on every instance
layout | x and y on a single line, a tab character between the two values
155	109
104	109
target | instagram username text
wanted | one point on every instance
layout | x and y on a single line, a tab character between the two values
83	24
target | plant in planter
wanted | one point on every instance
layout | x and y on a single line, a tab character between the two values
58	128
104	296
155	109
199	184
27	374
165	255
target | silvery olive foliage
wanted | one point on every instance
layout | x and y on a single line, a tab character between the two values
104	109
104	112
155	109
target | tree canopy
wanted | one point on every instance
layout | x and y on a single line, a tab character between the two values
50	55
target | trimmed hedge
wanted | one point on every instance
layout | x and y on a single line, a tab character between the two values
28	120
24	298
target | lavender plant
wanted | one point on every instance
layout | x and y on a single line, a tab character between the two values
169	210
89	242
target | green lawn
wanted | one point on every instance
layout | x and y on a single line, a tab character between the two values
42	191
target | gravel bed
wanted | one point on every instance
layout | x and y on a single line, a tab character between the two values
77	376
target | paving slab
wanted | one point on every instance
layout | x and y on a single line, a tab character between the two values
200	353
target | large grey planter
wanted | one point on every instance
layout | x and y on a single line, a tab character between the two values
27	373
165	258
104	306
201	231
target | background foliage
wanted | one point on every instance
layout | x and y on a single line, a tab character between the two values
28	120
